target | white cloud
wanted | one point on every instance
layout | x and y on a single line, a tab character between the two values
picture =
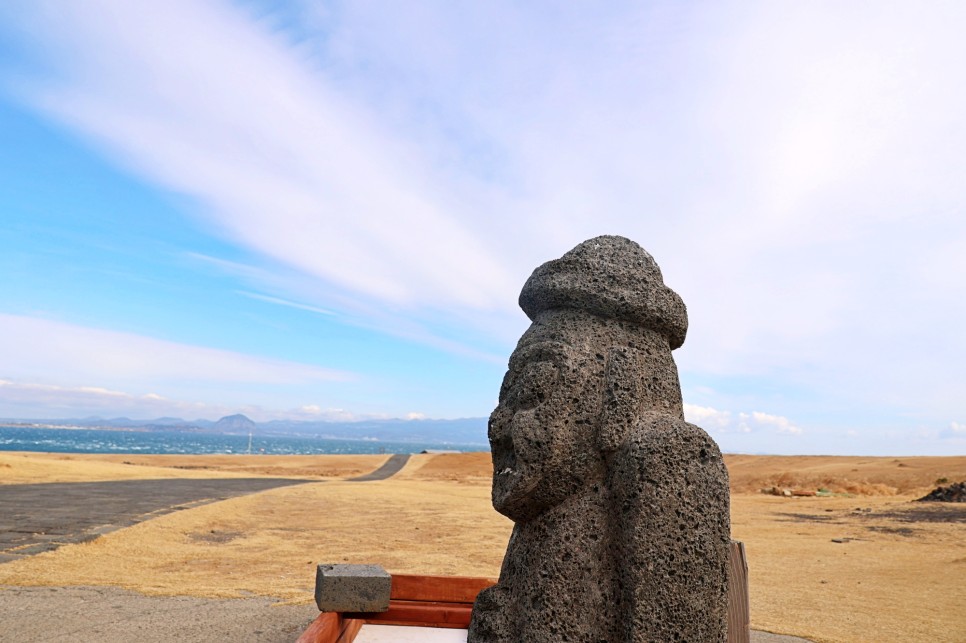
33	400
777	422
707	417
35	347
99	363
414	415
716	421
955	431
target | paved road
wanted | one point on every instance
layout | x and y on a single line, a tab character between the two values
390	468
41	517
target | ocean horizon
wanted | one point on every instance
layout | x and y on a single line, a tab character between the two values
160	442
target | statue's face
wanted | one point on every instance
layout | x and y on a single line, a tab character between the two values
542	433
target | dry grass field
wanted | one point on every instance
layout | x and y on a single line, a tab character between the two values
864	563
29	468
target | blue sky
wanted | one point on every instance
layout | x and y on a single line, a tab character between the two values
327	210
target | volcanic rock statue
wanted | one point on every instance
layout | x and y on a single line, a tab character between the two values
621	508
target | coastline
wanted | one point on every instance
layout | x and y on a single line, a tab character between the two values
205	441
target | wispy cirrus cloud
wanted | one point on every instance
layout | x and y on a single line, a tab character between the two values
285	302
279	162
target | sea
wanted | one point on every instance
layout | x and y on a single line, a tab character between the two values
77	440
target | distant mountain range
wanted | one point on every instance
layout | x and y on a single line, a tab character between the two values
460	431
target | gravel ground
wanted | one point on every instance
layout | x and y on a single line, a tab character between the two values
112	615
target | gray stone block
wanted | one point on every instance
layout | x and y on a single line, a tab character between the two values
352	588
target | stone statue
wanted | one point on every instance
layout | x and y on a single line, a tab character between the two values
621	508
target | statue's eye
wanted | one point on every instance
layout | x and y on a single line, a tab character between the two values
532	385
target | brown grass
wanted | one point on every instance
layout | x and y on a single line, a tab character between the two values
452	467
843	474
25	468
897	577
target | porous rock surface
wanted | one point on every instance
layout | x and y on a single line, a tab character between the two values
352	588
621	508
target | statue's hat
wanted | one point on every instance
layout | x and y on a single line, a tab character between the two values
611	277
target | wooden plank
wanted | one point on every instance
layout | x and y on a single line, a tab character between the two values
351	629
739	610
445	589
425	613
325	629
331	627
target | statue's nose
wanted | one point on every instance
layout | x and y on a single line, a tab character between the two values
498	428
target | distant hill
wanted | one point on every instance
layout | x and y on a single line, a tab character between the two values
237	423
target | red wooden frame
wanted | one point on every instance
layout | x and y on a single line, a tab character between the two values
428	601
447	601
331	627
